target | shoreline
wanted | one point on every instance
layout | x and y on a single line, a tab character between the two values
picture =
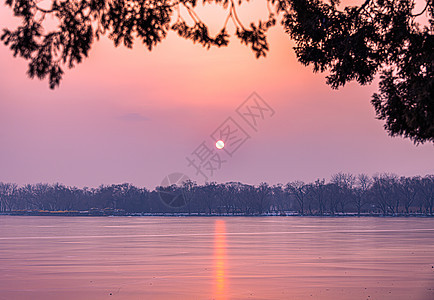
124	214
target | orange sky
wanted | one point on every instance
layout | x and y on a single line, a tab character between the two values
133	116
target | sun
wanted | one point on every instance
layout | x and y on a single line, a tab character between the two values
220	144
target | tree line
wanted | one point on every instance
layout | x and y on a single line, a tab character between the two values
383	194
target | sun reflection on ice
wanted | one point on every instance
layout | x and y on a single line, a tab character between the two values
220	260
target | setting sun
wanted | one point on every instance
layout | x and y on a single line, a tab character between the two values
220	144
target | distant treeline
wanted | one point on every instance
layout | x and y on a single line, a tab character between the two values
384	194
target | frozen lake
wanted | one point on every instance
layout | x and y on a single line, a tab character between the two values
216	258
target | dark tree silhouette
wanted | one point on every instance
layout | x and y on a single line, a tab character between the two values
7	196
408	191
384	191
344	184
426	189
317	192
358	42
298	189
280	198
226	193
361	192
351	43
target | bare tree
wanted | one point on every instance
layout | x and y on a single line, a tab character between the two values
383	191
278	197
298	189
245	193
8	193
407	189
261	194
426	188
345	183
317	190
361	191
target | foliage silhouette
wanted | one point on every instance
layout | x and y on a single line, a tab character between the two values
353	43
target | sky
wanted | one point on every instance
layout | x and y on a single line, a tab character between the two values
130	115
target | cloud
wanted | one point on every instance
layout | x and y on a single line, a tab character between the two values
134	117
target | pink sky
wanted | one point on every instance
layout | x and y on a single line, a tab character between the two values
133	116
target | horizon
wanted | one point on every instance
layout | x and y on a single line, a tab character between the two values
163	183
130	115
